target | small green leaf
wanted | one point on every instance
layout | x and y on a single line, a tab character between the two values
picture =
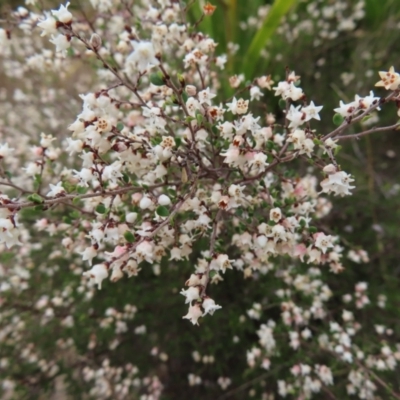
36	198
38	178
213	273
129	237
312	229
101	209
172	192
157	79
181	79
337	119
69	187
184	96
366	118
175	99
337	149
162	211
67	220
270	145
282	103
199	117
318	142
81	189
75	214
178	141
125	177
120	126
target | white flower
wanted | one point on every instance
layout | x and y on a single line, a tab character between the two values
301	142
98	273
5	150
74	146
255	93
193	293
221	263
116	274
238	106
61	42
209	306
196	279
288	91
143	56
145	250
194	314
312	111
56	190
275	214
323	242
337	183
89	253
345	110
295	116
390	80
258	162
205	96
49	26
63	15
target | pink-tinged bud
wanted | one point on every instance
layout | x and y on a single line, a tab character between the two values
191	90
136	197
95	42
117	274
330	169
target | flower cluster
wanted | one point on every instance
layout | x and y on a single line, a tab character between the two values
155	170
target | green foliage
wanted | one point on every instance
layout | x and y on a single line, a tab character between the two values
271	22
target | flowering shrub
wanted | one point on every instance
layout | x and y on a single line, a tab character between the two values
155	174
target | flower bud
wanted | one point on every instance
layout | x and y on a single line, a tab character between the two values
330	169
95	42
164	200
145	202
191	90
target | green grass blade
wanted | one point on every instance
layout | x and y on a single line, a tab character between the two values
279	9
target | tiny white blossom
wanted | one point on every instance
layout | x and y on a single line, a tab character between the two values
98	273
143	56
63	15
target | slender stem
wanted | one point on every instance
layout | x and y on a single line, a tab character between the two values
368	132
62	199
